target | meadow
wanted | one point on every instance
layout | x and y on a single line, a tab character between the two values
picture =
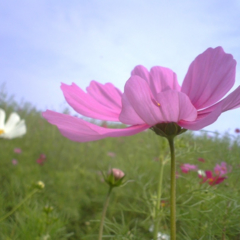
71	203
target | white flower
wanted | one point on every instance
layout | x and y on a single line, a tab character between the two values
160	236
201	173
14	126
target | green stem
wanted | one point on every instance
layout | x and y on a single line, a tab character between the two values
157	207
19	205
104	213
173	190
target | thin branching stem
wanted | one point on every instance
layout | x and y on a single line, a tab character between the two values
19	205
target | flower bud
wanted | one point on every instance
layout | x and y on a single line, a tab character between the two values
114	177
40	185
48	209
117	173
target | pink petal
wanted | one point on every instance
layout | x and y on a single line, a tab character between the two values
162	79
170	106
211	114
141	71
230	102
79	130
203	119
210	76
107	94
208	174
217	180
88	106
128	114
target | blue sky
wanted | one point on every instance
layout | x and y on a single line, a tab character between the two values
46	42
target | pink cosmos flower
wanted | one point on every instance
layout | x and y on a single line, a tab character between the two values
152	97
210	179
237	130
221	169
14	162
17	150
41	160
188	167
201	159
111	154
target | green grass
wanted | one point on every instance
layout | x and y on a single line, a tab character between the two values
75	190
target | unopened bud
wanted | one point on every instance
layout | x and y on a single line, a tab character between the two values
40	185
114	177
48	209
117	173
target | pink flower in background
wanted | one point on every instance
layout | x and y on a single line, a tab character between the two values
152	97
17	150
41	160
188	167
14	162
221	169
210	179
237	130
111	154
201	159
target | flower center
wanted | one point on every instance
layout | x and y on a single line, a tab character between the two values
1	131
211	180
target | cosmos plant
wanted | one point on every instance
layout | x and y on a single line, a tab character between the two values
154	99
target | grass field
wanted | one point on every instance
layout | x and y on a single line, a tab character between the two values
70	205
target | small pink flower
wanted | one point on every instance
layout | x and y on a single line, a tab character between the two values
18	150
237	130
210	179
41	160
111	154
201	159
104	125
221	169
188	167
14	162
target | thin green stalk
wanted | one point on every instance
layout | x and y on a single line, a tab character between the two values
173	190
19	205
104	213
157	207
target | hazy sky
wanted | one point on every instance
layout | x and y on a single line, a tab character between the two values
46	42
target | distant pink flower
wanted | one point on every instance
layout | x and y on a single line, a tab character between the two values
221	169
41	160
17	150
188	167
201	159
237	130
111	154
152	97
210	179
14	162
104	125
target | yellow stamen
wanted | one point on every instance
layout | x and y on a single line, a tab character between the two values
158	104
1	131
211	180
